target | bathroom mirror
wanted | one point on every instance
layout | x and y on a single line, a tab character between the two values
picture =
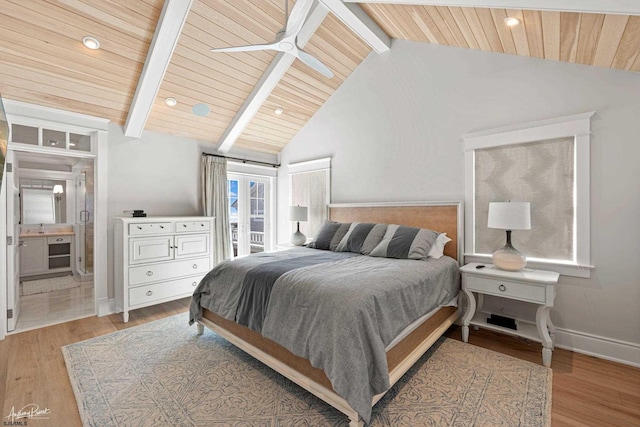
43	201
38	206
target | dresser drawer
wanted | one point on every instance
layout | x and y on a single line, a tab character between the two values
506	288
191	226
168	270
149	228
158	291
58	239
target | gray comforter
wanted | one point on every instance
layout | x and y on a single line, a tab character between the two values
339	310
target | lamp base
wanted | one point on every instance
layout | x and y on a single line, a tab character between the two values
509	258
298	239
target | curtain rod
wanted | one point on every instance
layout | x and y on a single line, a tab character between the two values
243	160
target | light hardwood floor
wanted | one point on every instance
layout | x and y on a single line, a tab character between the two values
586	391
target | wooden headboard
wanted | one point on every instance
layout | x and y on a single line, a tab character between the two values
444	217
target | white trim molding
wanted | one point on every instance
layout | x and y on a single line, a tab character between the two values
311	165
577	126
619	351
106	306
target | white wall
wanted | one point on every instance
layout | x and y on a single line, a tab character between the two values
158	173
393	131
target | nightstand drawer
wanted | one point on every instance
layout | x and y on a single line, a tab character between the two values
506	288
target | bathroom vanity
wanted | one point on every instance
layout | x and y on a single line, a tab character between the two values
45	253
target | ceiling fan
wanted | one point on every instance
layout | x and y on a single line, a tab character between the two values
286	38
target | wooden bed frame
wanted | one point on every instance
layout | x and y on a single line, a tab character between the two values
444	217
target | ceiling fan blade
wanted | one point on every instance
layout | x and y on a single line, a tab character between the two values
297	17
314	63
248	48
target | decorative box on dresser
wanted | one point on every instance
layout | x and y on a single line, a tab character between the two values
532	286
159	259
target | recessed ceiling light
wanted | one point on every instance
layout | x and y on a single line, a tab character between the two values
511	21
171	102
91	42
278	111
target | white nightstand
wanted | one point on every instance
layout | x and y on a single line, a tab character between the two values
533	286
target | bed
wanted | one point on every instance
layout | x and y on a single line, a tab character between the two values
299	327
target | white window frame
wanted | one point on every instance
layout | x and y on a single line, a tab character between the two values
577	126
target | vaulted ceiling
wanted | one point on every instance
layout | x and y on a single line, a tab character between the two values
42	59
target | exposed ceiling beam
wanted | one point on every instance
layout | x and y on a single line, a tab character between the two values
269	80
360	23
616	7
172	19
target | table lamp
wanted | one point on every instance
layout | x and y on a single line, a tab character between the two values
298	213
509	216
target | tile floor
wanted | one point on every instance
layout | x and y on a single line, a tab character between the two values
50	308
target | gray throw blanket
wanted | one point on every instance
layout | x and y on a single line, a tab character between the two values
337	309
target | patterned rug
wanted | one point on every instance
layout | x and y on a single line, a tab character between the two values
163	374
49	284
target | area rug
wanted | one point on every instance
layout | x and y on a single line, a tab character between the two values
163	374
50	284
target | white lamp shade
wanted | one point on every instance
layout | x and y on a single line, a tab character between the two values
510	215
57	189
298	213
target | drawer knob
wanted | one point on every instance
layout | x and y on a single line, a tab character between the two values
149	293
184	225
502	288
195	266
139	228
149	273
162	226
58	239
194	284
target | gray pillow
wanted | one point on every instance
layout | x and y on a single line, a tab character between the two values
329	235
404	242
362	238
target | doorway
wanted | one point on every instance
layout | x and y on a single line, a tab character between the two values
249	213
54	254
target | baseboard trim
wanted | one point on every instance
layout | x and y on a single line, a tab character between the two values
106	306
614	350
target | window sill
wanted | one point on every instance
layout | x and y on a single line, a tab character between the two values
573	270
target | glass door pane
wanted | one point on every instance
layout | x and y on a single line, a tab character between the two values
249	218
233	214
256	223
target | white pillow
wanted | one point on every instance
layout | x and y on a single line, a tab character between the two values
437	250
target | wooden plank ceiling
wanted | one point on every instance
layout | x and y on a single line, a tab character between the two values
611	41
42	60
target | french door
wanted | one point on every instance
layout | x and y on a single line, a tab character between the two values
250	204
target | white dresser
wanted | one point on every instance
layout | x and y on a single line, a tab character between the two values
159	259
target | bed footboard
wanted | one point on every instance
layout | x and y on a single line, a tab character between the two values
299	370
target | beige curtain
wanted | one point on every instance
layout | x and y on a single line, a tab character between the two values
310	189
215	200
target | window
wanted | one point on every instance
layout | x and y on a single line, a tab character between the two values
44	137
545	163
311	187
